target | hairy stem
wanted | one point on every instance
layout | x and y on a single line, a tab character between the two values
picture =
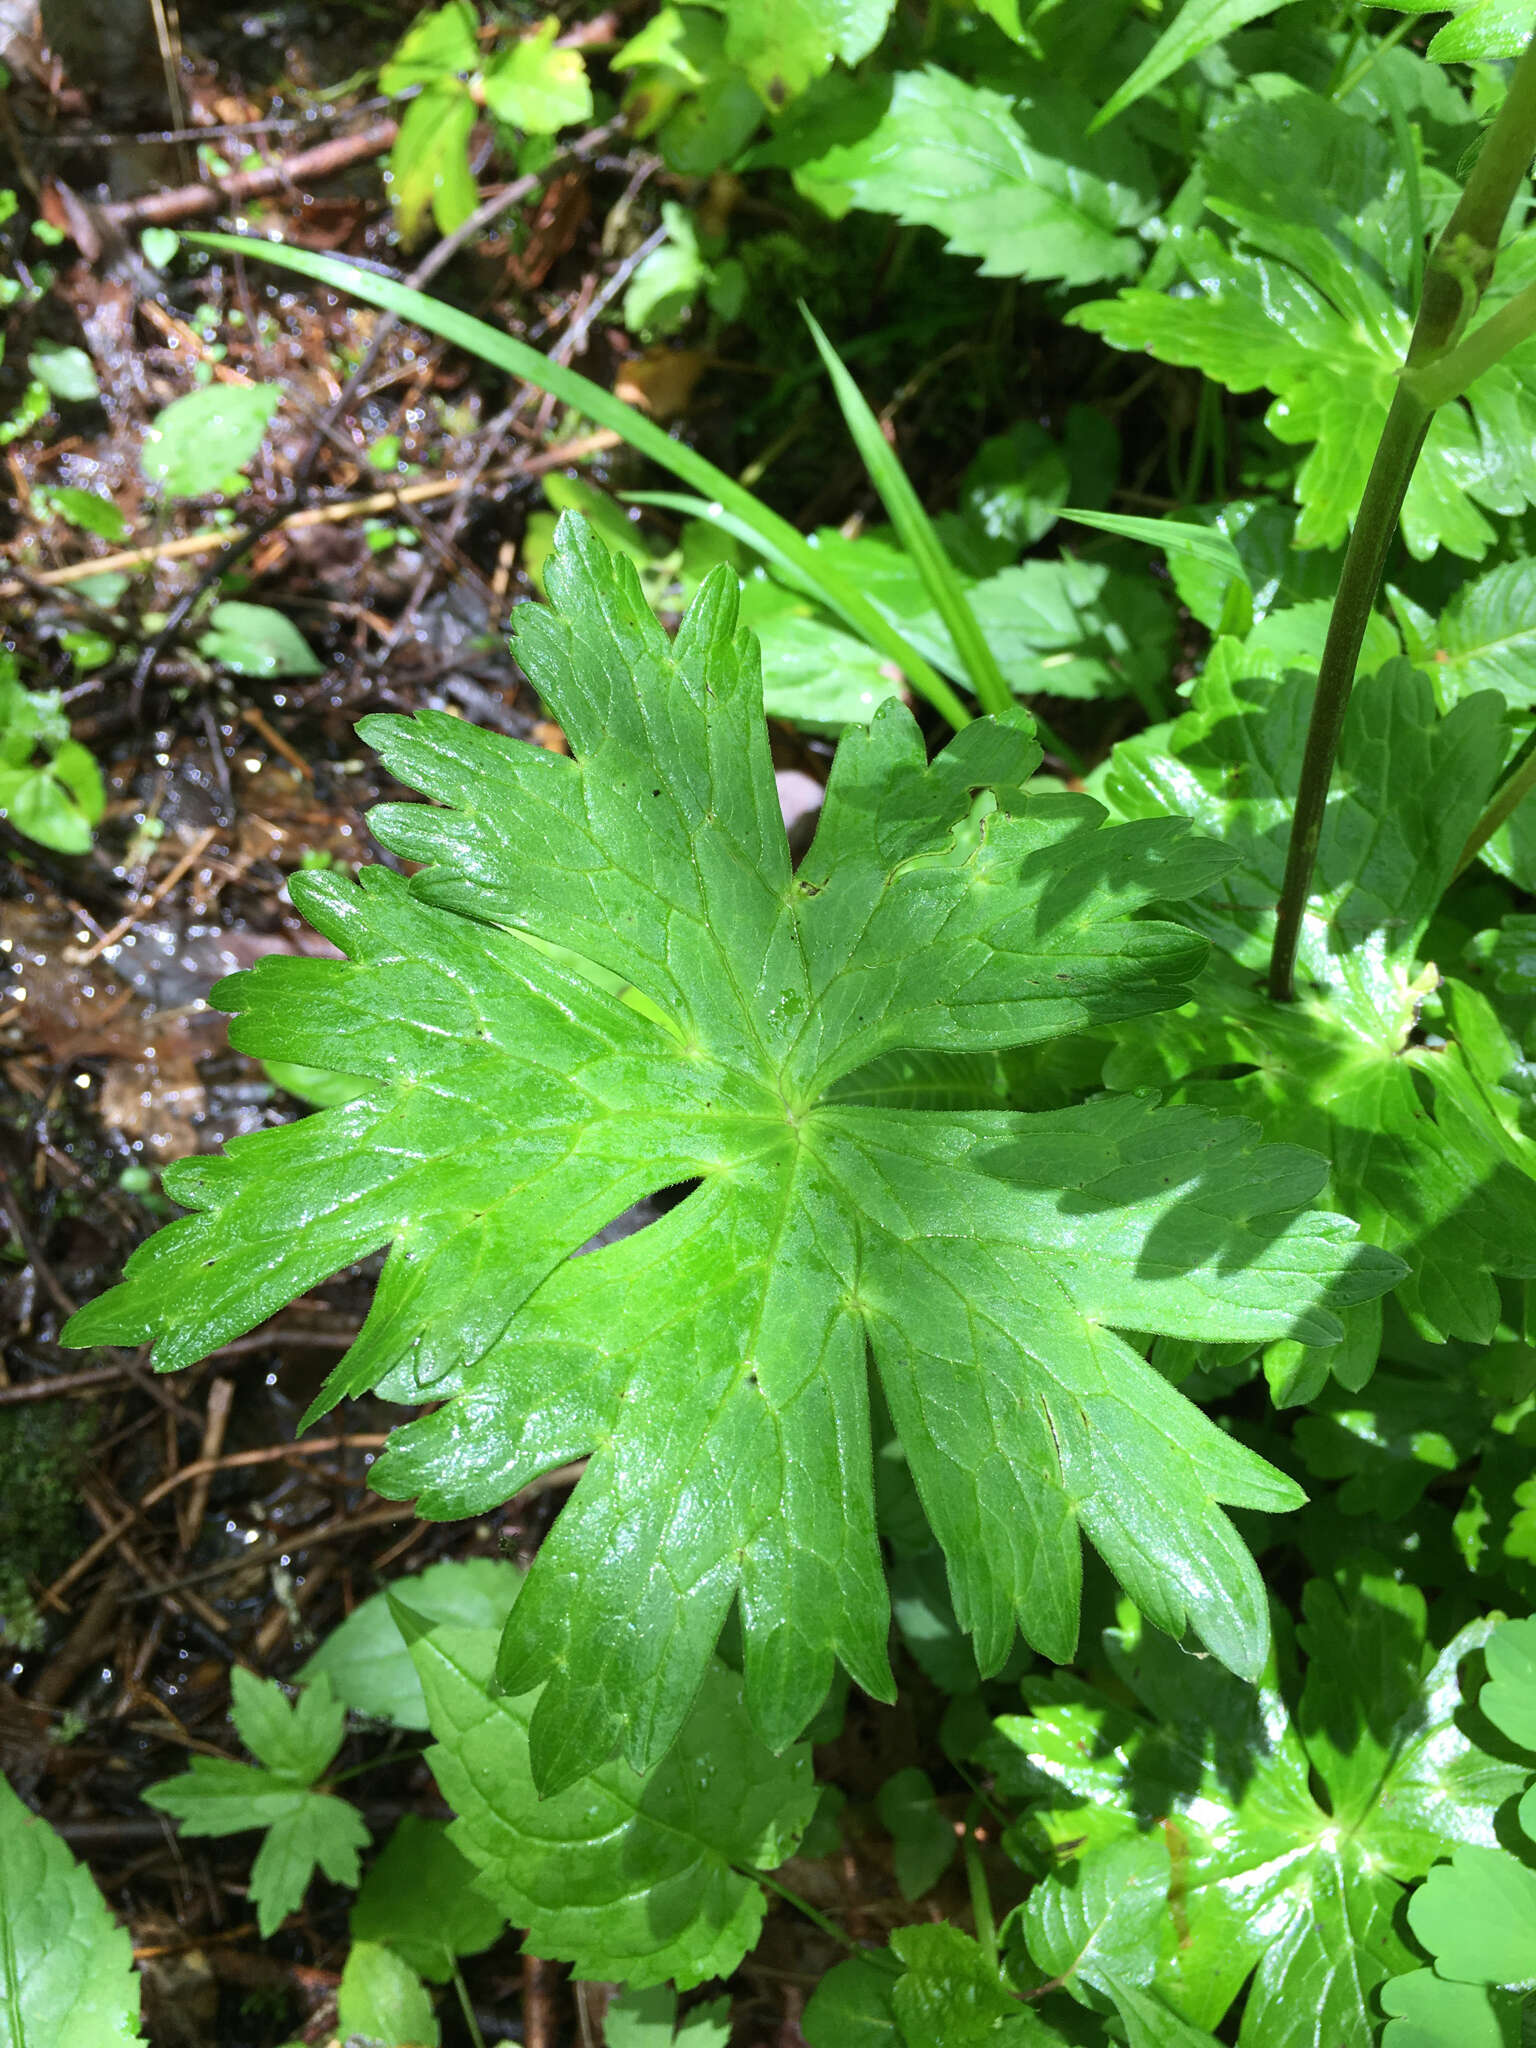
1457	274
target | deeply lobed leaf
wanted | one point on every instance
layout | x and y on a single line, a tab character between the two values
606	980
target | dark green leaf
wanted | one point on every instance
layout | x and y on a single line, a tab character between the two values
623	1876
925	1843
1011	182
420	1899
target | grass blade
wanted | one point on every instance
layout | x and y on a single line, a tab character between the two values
1174	536
771	535
915	531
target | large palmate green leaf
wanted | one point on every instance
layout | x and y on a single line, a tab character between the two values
1194	1847
1308	293
1419	1148
66	1967
642	1879
708	1024
1014	181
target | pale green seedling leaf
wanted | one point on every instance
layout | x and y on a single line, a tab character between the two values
533	86
420	1899
67	374
255	640
198	441
622	1876
382	2003
159	246
783	45
66	1967
366	1658
1014	183
520	1104
295	1739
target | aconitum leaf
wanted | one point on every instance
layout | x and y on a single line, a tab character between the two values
1286	1834
1419	1152
607	980
636	1878
1306	290
1011	180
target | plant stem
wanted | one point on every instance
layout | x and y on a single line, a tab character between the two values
1449	375
1375	528
467	2008
1519	783
880	1957
1459	268
981	1897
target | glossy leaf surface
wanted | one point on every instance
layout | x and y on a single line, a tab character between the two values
714	1365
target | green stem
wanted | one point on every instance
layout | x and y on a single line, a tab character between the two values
1517	785
472	2025
1397	451
881	1958
981	1897
1198	441
1449	375
1457	274
1378	50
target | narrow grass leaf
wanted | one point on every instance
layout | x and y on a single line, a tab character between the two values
768	533
914	529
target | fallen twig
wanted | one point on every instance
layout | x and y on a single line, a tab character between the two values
304	167
314	515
